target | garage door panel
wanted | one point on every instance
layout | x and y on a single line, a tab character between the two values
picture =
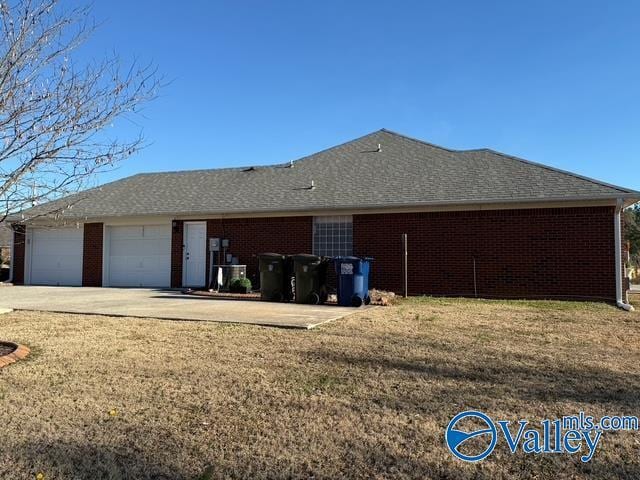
157	231
56	256
140	256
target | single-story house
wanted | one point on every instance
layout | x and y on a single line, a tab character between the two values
478	223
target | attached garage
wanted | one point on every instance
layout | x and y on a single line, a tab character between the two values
138	256
479	223
55	256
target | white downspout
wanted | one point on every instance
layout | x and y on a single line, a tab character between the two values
617	225
12	246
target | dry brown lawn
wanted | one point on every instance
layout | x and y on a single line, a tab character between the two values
365	397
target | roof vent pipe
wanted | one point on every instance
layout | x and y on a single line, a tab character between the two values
617	233
379	148
313	185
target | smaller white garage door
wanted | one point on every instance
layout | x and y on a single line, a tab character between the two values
56	256
139	256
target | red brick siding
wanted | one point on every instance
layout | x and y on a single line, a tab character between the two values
177	231
92	255
251	236
564	252
19	248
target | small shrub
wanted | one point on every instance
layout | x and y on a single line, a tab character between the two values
240	285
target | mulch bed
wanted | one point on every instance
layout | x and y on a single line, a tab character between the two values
6	349
224	295
11	353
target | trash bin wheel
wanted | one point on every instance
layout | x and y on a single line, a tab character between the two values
356	301
367	300
314	298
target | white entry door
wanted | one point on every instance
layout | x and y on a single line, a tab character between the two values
55	256
139	256
195	254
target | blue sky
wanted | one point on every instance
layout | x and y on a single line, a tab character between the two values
258	82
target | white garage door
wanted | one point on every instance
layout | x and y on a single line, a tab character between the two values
56	256
139	256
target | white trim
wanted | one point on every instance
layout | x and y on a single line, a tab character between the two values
12	246
28	234
106	246
184	251
617	235
432	207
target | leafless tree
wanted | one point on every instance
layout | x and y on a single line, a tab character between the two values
55	113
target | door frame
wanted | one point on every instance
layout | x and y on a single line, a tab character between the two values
184	253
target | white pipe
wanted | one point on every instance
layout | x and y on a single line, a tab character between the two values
617	225
12	246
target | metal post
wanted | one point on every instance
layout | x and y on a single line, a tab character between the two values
475	278
404	268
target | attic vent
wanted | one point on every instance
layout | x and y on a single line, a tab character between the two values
250	169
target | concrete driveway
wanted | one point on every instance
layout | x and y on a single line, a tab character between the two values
167	304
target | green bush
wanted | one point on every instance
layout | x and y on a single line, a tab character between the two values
240	283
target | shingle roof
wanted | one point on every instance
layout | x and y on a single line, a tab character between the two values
354	175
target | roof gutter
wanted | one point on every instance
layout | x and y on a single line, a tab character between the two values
617	225
463	205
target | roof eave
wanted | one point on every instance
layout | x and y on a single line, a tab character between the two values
462	205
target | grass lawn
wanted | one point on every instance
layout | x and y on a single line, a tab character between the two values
365	397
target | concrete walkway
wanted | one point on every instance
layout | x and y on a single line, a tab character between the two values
167	304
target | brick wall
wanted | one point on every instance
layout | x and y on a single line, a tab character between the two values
92	255
251	236
518	253
19	248
177	239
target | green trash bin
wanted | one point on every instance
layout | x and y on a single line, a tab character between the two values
274	277
310	279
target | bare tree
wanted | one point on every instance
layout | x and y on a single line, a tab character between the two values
53	112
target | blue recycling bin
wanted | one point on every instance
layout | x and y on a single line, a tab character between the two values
353	280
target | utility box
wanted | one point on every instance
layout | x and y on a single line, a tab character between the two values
214	244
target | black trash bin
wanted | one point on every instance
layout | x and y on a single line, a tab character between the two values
274	277
310	279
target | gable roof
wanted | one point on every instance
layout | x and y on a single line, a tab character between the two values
354	175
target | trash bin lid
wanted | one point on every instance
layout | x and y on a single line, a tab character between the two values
271	256
348	259
306	258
